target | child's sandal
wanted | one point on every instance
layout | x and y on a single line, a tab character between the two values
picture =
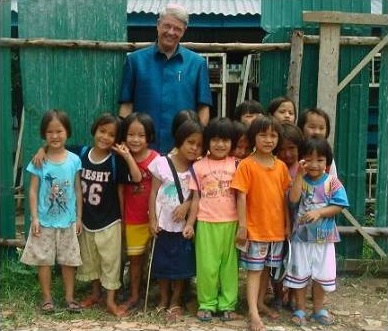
204	315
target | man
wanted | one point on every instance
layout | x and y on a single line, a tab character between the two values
165	78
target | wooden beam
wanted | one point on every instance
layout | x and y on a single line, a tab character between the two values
129	47
295	69
373	231
366	236
362	63
345	18
346	40
328	72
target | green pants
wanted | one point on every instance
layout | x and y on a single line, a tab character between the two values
217	266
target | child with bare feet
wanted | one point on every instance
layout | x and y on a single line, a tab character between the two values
261	181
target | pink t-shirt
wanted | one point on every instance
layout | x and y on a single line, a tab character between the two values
217	199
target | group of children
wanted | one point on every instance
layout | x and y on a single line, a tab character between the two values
251	183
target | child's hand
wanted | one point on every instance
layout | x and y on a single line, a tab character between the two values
302	167
179	213
188	231
310	216
35	227
39	158
122	150
154	229
78	227
241	235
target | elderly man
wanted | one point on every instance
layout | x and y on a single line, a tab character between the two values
165	78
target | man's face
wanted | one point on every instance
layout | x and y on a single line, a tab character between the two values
170	32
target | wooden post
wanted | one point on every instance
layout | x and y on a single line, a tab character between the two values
296	57
328	72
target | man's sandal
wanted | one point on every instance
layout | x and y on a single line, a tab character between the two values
299	317
322	317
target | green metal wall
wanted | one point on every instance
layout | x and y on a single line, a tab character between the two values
382	178
280	18
7	203
85	82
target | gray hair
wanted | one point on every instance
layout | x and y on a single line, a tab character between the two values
175	10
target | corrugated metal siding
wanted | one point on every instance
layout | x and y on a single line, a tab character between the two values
7	202
84	83
280	18
382	176
225	7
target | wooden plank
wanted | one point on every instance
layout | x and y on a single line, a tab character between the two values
328	72
346	40
362	63
295	69
18	150
373	231
129	47
366	236
345	18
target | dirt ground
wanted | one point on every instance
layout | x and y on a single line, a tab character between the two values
359	304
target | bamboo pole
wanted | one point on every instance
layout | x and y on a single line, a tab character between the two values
123	46
200	47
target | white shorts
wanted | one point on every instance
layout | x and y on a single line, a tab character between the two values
312	261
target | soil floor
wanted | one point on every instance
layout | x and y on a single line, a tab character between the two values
359	304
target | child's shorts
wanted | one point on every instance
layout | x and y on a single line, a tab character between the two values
137	237
174	256
262	254
101	256
312	261
53	244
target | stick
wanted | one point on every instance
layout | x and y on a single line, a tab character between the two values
150	265
149	274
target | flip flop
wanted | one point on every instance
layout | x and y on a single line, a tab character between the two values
47	307
322	317
174	313
73	307
204	315
299	317
229	315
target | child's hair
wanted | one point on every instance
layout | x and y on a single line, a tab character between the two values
185	130
303	118
103	119
145	120
248	107
320	146
220	128
181	117
275	104
51	114
240	129
292	133
262	124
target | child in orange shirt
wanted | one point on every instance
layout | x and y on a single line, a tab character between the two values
261	181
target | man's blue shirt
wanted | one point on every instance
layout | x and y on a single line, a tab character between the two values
162	87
